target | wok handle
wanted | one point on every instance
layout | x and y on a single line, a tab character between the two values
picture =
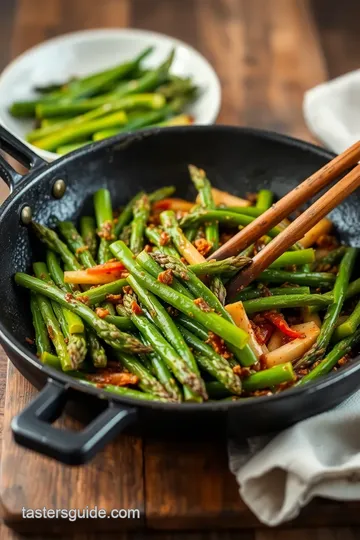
21	152
32	427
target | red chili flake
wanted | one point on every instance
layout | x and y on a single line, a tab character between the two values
148	248
135	308
81	249
107	376
114	298
83	299
237	370
106	231
241	371
203	246
164	238
343	360
201	304
218	344
50	331
166	277
69	297
101	312
29	341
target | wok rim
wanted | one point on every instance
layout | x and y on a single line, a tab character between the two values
26	356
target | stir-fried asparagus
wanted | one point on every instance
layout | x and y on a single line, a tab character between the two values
108	332
169	329
88	233
104	222
318	350
42	340
173	360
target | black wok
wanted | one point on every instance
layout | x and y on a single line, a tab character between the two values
236	159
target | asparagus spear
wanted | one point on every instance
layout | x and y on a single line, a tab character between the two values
218	289
193	283
147	382
264	199
67	148
121	322
212	362
249	293
41	334
231	219
169	222
143	101
99	294
104	222
54	330
203	186
334	255
173	360
226	266
312	279
109	333
88	233
51	360
214	322
129	392
76	343
93	84
141	212
166	325
267	378
161	193
126	215
348	327
163	374
96	350
53	242
318	350
202	293
286	301
341	349
147	119
76	243
297	258
154	235
54	127
155	269
71	133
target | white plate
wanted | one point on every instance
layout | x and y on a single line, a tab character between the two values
82	53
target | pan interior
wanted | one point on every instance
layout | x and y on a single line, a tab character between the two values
236	160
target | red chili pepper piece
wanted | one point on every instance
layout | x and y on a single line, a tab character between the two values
277	319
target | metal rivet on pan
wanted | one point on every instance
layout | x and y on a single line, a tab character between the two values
26	215
59	189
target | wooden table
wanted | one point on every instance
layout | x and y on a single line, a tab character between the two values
267	53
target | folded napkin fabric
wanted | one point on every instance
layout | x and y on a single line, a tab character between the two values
318	457
332	111
279	474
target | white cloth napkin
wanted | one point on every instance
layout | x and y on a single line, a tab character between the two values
332	111
279	474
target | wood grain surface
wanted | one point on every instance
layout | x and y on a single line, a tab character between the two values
266	54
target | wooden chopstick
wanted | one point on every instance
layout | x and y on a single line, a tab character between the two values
296	230
290	202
